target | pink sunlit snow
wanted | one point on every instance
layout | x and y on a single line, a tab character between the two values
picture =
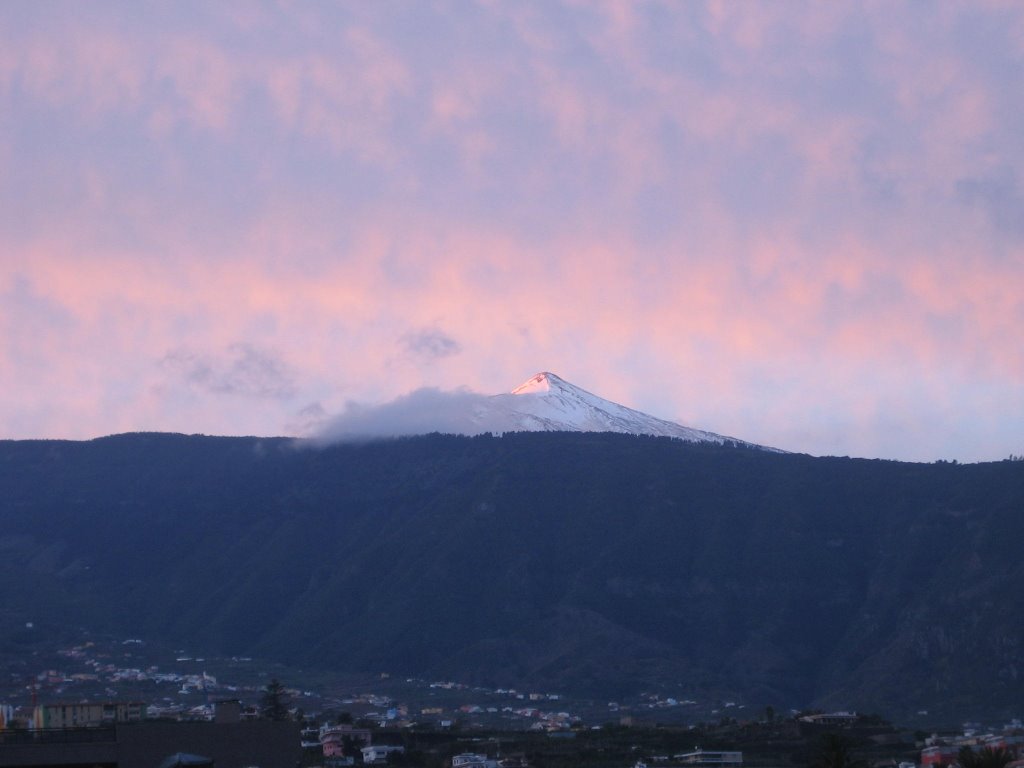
548	403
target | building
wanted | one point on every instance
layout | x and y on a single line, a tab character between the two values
87	714
473	760
227	711
831	718
938	755
334	737
379	754
266	743
702	757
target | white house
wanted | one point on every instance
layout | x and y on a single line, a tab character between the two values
379	753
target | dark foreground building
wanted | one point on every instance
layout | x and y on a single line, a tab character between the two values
262	743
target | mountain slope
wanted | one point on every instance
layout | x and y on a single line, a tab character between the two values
596	563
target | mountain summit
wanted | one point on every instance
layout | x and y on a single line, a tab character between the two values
545	381
548	403
543	403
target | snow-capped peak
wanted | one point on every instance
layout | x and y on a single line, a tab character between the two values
543	403
544	381
548	403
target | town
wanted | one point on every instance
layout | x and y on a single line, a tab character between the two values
110	701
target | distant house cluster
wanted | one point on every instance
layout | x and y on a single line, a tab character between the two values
92	714
840	719
87	714
71	715
699	757
341	742
710	757
941	751
474	760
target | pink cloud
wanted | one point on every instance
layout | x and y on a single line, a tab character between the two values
679	208
605	321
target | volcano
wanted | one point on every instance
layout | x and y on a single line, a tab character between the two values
548	403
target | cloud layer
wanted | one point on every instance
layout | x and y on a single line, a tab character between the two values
797	224
420	412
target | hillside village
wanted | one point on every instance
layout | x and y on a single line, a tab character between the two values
175	684
104	671
105	690
318	741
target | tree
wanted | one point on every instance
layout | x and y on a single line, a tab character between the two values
350	747
834	752
989	757
274	701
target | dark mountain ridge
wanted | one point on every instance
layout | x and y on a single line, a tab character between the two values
594	563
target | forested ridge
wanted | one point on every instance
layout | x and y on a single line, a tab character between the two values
595	563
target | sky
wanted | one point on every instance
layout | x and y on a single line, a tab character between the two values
801	224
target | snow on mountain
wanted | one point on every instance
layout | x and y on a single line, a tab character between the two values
548	403
543	403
